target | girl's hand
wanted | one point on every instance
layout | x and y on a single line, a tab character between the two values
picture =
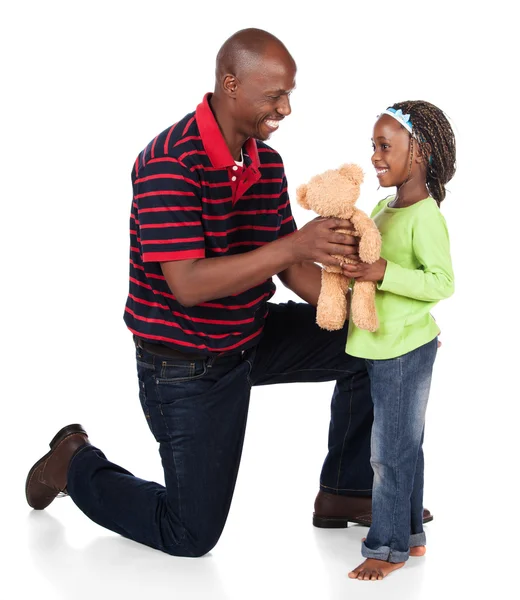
364	272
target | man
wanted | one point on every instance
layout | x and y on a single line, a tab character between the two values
211	224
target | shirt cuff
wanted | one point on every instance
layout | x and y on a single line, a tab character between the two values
390	278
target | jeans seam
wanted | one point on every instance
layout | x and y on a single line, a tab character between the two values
248	376
274	374
396	452
348	428
165	421
337	489
144	403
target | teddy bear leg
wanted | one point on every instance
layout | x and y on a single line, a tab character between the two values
363	309
332	303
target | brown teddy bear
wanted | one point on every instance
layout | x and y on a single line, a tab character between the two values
334	194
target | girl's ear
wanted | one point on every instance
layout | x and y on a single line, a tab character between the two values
424	152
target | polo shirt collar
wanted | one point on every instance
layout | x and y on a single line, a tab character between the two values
213	141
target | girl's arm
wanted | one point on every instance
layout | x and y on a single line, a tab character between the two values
432	282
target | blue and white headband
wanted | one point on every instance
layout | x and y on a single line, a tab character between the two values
404	120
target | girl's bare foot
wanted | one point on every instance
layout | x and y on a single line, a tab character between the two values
374	570
414	550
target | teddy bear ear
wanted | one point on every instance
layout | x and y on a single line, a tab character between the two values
301	196
353	172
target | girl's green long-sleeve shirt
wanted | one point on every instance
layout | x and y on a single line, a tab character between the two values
419	273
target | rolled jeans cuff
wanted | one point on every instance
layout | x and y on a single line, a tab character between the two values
385	553
417	539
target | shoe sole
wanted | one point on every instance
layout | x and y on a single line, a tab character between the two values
342	523
57	439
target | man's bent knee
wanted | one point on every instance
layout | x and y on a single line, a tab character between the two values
191	548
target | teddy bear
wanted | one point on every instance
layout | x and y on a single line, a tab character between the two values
334	194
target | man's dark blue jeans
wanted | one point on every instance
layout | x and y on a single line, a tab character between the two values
197	411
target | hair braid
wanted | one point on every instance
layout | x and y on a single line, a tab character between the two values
436	140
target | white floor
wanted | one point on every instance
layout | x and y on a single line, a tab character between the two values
269	548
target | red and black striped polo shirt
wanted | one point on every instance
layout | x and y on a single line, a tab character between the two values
190	200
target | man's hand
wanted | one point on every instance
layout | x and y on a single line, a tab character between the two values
194	281
361	271
318	241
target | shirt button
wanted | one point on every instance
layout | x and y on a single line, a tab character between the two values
233	178
235	168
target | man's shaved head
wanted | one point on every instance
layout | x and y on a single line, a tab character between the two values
241	53
255	75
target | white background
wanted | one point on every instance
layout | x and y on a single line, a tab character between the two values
85	87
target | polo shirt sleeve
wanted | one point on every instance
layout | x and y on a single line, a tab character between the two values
434	279
169	211
288	224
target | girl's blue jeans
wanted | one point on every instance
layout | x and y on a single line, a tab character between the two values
400	389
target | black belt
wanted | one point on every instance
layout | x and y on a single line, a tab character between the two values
162	350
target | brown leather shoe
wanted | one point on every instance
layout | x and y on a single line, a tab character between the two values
48	477
335	511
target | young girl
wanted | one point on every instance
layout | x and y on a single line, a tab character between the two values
414	150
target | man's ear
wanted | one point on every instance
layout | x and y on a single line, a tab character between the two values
230	84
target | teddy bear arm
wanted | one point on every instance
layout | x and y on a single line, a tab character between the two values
370	238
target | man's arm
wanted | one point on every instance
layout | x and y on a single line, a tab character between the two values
201	280
304	279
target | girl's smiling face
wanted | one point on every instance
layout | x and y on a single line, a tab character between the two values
391	158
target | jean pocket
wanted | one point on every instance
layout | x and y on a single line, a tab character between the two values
180	371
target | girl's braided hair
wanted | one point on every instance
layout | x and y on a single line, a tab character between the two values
436	141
